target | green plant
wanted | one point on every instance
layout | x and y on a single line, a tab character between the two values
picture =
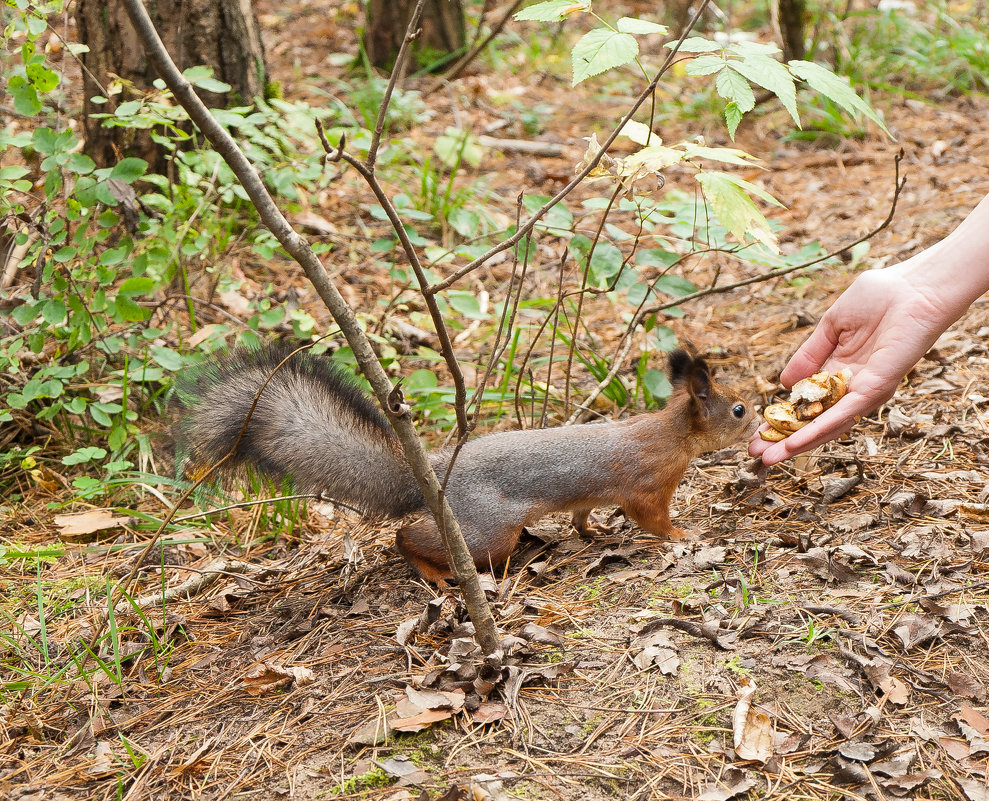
908	52
82	346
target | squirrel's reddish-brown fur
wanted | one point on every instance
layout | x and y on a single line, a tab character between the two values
314	426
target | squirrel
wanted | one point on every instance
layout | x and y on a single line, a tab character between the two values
314	425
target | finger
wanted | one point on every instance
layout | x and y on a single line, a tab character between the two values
757	445
811	356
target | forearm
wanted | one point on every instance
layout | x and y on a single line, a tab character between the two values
955	271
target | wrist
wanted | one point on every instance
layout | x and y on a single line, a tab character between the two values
951	274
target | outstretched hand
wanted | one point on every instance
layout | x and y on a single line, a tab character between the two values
878	328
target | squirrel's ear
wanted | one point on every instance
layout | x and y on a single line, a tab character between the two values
700	380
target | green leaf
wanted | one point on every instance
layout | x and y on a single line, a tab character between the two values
129	311
53	312
675	285
730	203
129	169
732	86
88	486
136	286
550	11
43	79
705	65
732	118
36	25
633	25
13	172
128	108
656	257
726	155
422	379
557	221
25	313
115	255
465	222
746	49
770	74
600	50
213	85
606	261
466	304
456	145
83	455
666	338
753	189
26	100
167	358
80	163
696	44
64	254
45	140
835	89
657	383
203	78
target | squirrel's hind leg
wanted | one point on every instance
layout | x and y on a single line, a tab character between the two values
580	524
419	541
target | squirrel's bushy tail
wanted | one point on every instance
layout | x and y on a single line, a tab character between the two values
312	424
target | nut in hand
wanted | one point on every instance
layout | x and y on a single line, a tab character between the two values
808	398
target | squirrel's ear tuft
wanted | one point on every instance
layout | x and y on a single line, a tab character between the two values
692	372
681	363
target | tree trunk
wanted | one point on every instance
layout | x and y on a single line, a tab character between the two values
675	15
788	22
444	32
222	34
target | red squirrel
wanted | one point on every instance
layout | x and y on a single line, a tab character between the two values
315	426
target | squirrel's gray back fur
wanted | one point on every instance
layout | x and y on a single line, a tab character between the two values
312	424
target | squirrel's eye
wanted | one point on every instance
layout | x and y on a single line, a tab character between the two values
738	410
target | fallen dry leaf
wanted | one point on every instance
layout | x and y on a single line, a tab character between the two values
103	763
79	524
407	771
752	728
974	789
734	783
974	718
270	677
489	712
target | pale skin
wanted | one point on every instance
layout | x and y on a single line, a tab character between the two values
882	325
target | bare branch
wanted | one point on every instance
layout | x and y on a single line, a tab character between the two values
461	562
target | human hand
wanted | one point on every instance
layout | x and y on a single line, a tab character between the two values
878	328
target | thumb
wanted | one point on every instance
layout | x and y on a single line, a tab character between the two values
812	355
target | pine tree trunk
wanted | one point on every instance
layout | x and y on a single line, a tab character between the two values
444	32
222	34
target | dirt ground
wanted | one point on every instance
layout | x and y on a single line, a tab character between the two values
827	637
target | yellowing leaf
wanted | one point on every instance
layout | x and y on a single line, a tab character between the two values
551	10
728	198
653	158
639	133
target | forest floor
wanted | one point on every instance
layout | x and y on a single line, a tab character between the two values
845	596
